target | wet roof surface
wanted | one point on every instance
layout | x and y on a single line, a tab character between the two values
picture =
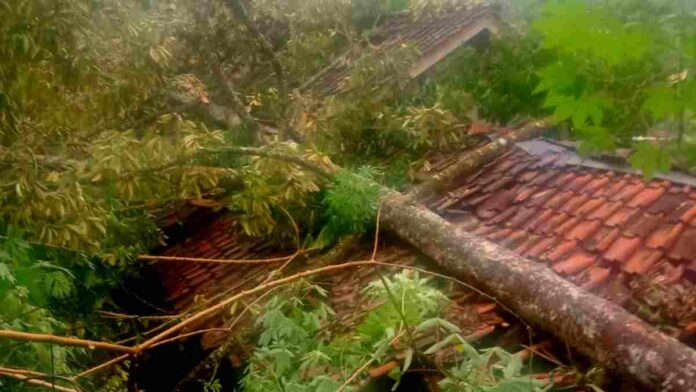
426	34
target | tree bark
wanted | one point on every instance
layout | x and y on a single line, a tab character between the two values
595	327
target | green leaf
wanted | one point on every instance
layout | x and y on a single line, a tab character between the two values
6	274
650	159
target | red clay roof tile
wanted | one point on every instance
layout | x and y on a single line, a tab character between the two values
497	201
544	177
642	261
503	216
572	205
557	220
524	246
499	184
514	239
613	188
558	200
540	198
540	220
602	239
561	250
524	193
627	192
689	214
484	230
643	224
528	176
578	183
590	206
576	263
540	247
670	273
594	185
523	216
620	217
668	203
594	277
622	249
499	234
685	247
646	197
583	230
567	225
664	236
605	210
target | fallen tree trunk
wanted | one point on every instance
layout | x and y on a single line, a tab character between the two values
595	327
600	329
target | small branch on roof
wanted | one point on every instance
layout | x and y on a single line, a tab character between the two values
216	261
63	341
29	379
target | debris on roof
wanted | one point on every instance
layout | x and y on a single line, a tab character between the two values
599	225
435	37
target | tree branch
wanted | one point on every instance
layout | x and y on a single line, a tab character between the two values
64	341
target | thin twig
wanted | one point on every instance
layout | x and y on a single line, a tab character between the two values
64	341
216	261
38	383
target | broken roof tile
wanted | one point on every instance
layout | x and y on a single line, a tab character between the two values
576	263
643	224
622	249
668	203
646	197
497	201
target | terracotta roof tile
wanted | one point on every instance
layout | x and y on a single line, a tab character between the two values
664	236
499	234
590	206
499	184
540	220
540	247
567	225
497	201
689	215
527	176
514	239
594	185
528	243
594	277
622	249
627	192
620	217
583	230
544	177
667	203
602	239
669	273
578	183
685	247
557	220
561	250
646	197
643	224
572	205
503	216
613	188
642	261
558	199
523	216
524	193
576	263
540	198
605	210
484	230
